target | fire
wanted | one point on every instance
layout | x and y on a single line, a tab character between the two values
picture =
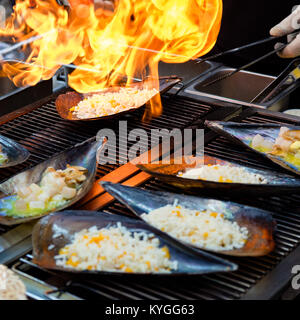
108	48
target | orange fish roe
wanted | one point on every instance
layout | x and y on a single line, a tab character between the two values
72	263
177	212
122	255
167	252
98	239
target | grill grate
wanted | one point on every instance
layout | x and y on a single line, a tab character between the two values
284	208
44	133
33	131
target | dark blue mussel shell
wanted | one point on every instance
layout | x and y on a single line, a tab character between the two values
259	223
83	154
56	230
168	173
15	152
243	133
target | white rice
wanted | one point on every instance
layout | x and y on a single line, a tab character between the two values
108	103
224	173
116	249
204	229
11	287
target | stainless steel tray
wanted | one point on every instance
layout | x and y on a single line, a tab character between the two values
240	88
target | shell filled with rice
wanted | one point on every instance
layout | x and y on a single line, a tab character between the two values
109	103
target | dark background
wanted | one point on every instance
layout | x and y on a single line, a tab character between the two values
246	21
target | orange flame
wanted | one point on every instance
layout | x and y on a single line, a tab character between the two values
129	43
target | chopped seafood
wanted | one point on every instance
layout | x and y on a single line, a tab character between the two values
82	157
287	145
55	189
262	144
116	249
203	228
273	141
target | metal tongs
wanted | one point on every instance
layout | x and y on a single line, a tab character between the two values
10	53
247	46
283	85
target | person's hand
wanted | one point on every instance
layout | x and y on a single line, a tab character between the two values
286	26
